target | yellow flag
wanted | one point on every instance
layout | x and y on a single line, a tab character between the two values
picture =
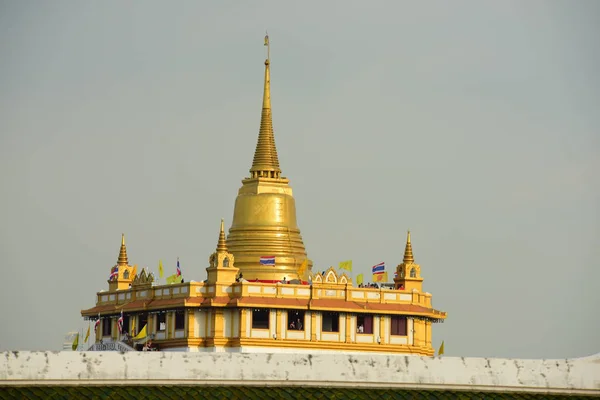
347	265
161	272
173	279
441	350
359	279
380	277
133	326
134	271
75	342
141	335
87	335
302	269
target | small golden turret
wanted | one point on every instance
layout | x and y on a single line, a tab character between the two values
408	253
408	274
123	252
122	274
264	217
221	264
222	244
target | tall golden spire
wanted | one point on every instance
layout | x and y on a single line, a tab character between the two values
408	253
221	244
266	162
123	252
264	216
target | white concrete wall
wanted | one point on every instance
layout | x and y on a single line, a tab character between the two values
580	375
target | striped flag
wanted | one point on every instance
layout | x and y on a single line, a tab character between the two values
379	268
178	268
267	260
120	323
114	273
96	325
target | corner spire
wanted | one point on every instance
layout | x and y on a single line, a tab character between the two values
221	244
123	252
408	253
266	162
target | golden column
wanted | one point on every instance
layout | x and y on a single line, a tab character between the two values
264	217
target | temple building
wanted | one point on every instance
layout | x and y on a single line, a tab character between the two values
260	293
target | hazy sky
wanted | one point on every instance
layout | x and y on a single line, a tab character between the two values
474	124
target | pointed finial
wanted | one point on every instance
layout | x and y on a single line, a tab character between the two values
122	260
266	161
408	253
268	44
222	244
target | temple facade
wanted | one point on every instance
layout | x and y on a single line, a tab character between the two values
246	305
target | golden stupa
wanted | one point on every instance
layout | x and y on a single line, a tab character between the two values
264	217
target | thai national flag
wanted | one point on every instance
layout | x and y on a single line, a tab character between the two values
120	323
178	268
267	260
379	268
97	323
114	274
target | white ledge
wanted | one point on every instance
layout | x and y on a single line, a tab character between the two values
579	375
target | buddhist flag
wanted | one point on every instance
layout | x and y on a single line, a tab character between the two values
75	342
441	350
380	277
87	335
302	269
359	279
347	265
173	279
142	334
161	271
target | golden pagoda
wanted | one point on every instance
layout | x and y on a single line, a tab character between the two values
260	293
264	217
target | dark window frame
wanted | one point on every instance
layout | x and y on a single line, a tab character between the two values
399	325
366	320
330	322
294	316
161	317
179	322
261	318
106	326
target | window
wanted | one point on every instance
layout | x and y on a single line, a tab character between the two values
413	273
161	321
364	324
331	322
295	320
142	321
399	325
126	274
179	319
106	326
260	318
226	262
125	323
